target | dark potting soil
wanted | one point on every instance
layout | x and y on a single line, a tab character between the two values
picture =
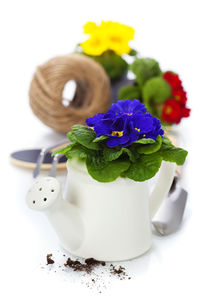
50	261
91	263
88	266
120	272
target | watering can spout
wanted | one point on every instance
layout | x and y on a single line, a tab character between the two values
45	195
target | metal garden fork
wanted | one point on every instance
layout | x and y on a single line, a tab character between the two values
55	161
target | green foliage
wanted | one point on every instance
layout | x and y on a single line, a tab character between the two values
77	151
114	65
113	153
166	140
73	150
133	52
144	168
71	137
156	89
144	69
173	154
129	92
63	150
105	171
84	136
140	161
144	141
101	138
150	148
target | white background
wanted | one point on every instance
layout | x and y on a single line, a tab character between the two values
35	31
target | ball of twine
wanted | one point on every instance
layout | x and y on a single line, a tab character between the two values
46	91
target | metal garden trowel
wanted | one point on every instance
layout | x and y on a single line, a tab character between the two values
170	214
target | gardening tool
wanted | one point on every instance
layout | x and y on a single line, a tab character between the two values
170	214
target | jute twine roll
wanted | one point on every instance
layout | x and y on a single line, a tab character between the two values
92	93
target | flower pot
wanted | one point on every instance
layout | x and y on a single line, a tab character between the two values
116	216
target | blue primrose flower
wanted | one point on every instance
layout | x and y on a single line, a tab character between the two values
126	122
128	107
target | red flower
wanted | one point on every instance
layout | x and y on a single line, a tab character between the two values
173	111
173	80
180	96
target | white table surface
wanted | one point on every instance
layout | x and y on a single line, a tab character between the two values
33	32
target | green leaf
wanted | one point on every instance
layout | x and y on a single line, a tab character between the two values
101	138
71	137
97	162
129	92
79	127
144	69
156	89
111	154
173	154
73	150
104	171
132	52
144	168
144	141
114	65
63	150
148	149
166	140
131	155
85	136
76	151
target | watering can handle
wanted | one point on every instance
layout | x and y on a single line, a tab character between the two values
162	186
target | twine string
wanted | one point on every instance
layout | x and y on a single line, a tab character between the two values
92	94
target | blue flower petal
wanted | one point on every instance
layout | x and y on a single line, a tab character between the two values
102	129
116	141
156	130
128	107
143	122
132	138
119	123
91	122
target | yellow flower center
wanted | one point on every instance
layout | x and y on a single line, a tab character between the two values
138	129
116	39
177	97
168	110
117	133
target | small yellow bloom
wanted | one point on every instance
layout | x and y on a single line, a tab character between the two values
110	36
117	133
138	129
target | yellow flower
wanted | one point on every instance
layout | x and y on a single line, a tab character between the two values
107	35
89	27
119	36
94	45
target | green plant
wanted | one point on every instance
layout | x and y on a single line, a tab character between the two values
139	161
129	92
144	69
114	65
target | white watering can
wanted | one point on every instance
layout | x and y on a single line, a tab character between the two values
107	221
